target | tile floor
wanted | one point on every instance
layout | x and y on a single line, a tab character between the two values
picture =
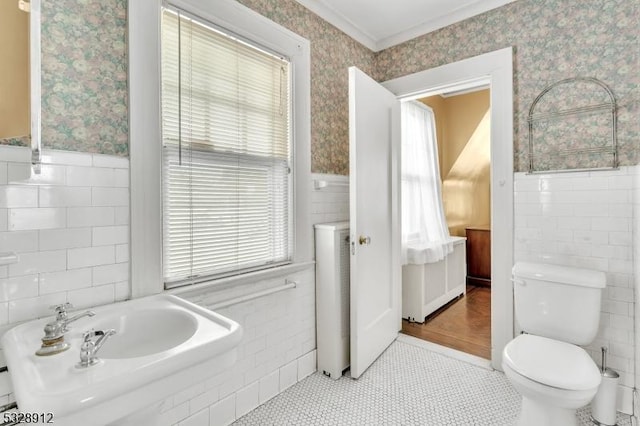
407	385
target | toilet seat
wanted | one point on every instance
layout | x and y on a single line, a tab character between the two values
552	363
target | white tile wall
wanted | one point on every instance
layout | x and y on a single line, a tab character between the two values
270	386
277	350
278	347
36	218
586	220
247	399
62	223
331	203
71	229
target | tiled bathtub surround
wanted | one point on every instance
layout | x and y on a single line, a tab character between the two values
70	228
585	220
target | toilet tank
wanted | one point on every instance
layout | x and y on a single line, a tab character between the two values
558	302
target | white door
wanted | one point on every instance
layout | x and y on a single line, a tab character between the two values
374	143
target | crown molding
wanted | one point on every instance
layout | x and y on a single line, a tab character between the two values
466	11
334	17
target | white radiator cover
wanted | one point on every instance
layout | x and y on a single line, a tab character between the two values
332	297
428	287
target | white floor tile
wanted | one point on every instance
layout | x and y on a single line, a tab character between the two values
407	385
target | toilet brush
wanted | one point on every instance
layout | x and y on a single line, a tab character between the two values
603	406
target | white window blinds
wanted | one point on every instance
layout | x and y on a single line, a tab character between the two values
226	154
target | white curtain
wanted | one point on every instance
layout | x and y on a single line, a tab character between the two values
425	235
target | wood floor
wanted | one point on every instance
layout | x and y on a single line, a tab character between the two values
464	325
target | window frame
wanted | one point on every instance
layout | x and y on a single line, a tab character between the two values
219	156
146	224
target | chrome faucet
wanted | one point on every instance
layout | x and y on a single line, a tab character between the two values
53	340
62	317
89	348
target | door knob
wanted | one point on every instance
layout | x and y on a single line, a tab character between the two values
364	241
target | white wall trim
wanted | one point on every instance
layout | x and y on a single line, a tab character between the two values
497	68
145	125
144	147
35	77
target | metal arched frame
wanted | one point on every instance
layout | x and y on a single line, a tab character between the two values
606	108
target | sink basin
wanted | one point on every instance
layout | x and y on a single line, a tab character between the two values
163	344
146	332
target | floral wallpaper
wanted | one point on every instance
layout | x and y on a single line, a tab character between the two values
84	76
553	40
84	67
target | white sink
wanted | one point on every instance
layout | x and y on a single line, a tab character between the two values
162	345
142	333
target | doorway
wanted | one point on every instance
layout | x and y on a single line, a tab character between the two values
461	319
494	69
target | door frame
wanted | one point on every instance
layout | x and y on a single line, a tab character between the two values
495	68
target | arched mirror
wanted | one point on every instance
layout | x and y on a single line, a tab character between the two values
20	75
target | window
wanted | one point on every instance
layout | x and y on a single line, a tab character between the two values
227	155
424	224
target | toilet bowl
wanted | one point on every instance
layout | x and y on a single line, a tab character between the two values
554	378
558	307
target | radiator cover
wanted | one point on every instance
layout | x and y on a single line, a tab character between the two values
332	297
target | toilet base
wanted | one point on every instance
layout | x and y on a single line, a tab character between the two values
534	413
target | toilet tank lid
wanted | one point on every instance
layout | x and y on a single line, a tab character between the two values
561	274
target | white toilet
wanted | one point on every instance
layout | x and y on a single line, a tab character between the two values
558	308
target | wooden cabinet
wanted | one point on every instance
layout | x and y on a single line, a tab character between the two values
479	256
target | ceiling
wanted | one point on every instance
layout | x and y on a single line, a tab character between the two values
379	24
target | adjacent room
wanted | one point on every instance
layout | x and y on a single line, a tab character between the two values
459	314
271	212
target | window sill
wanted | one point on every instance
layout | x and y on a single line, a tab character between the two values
222	284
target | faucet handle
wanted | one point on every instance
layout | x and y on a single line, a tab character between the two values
88	335
61	310
90	348
87	349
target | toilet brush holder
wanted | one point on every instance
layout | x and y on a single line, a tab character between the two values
603	406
